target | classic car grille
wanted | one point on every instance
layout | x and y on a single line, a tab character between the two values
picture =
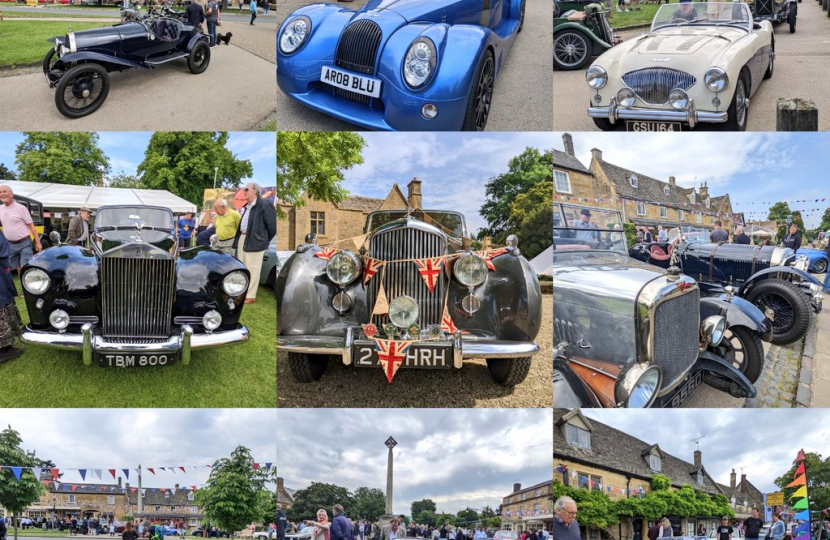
676	329
358	51
402	278
652	85
136	297
764	8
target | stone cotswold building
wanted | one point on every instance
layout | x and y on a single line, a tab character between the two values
642	200
528	508
743	496
285	496
591	455
337	221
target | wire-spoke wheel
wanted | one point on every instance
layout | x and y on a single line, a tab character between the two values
82	90
571	50
790	307
481	95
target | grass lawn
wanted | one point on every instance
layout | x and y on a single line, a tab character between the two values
270	126
42	15
24	42
644	16
234	376
40	533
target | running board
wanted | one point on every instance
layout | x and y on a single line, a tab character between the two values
171	58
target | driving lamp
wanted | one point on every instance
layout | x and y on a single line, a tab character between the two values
713	328
419	62
235	283
212	320
471	303
429	111
36	281
638	387
470	269
678	99
294	34
343	267
596	77
626	97
59	319
403	311
341	302
715	79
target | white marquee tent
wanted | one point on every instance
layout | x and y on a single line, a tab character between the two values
542	263
57	197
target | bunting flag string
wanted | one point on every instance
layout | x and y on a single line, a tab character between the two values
85	472
803	502
430	270
391	354
370	269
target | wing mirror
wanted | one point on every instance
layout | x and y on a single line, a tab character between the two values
214	239
55	238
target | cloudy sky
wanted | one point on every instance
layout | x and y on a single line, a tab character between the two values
751	167
125	438
457	457
454	167
126	151
762	441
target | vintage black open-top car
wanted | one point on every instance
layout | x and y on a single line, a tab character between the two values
630	334
79	63
770	277
581	31
776	12
133	298
481	305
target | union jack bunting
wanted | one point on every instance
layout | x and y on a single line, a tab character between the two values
446	323
488	255
372	268
391	355
326	253
430	270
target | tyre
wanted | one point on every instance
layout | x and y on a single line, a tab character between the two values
571	50
307	368
791	308
481	94
522	16
748	350
604	124
199	58
82	90
791	16
771	67
737	111
820	267
49	61
509	371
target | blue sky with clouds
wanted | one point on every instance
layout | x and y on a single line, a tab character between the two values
752	167
126	150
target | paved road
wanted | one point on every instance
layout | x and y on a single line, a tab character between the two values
231	14
800	57
522	100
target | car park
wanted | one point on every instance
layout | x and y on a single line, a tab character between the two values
581	31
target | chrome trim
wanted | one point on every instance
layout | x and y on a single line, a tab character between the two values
73	45
187	343
137	296
779	255
333	345
347	346
86	343
653	85
692	116
457	350
497	348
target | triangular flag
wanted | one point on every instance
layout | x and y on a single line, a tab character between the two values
490	255
193	487
162	469
800	469
358	241
57	486
151	471
17	471
430	271
372	267
55	473
391	354
800	456
112	472
153	490
800	492
172	469
36	471
97	472
325	253
163	490
446	323
82	472
803	515
268	465
381	303
143	491
804	527
184	471
74	487
126	473
800	505
173	490
256	466
799	481
45	482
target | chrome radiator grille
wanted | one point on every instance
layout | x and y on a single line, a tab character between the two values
136	297
676	329
358	51
652	85
403	278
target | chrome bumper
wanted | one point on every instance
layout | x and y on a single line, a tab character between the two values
88	342
690	115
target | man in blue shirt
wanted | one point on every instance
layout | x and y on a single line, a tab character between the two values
585	223
186	227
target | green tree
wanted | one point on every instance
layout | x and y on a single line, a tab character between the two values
129	181
531	219
16	495
6	173
64	157
427	517
524	171
780	213
630	231
468	515
233	497
184	163
799	221
313	163
368	503
316	496
818	478
825	221
424	504
660	482
595	509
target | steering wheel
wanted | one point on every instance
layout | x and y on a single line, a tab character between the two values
678	19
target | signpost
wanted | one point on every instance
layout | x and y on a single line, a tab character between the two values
775	499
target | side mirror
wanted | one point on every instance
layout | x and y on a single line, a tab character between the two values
55	238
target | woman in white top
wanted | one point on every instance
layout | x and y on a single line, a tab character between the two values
321	526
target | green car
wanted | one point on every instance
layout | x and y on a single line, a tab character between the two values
580	32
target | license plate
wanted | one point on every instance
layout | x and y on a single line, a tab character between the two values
135	360
660	127
360	84
685	391
423	356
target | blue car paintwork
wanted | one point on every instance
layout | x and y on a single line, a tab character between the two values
454	26
814	255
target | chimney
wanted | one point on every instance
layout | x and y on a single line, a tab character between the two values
126	486
280	484
517	487
414	196
672	181
119	482
743	482
569	144
596	154
704	191
732	479
698	458
177	486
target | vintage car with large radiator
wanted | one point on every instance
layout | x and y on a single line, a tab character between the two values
629	334
772	278
700	63
480	305
408	65
133	299
581	31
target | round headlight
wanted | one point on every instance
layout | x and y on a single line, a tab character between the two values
638	387
678	99
626	97
403	311
596	77
294	34
716	79
59	319
713	328
235	283
211	320
36	281
419	62
343	267
470	269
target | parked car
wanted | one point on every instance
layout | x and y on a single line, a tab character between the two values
776	12
414	65
480	305
580	33
817	259
79	64
505	535
630	334
770	277
701	62
133	299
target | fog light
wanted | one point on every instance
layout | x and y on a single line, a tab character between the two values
341	302
678	99
598	98
626	97
638	386
713	328
471	303
429	111
403	311
716	101
59	319
39	303
212	320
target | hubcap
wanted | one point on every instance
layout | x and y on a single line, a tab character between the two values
570	49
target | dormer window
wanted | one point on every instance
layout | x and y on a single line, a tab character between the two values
633	180
693	196
655	463
666	190
709	203
699	478
576	436
190	496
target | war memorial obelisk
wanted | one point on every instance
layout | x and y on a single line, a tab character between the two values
387	517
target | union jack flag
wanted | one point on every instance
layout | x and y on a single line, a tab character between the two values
446	323
325	253
391	355
430	269
372	268
488	255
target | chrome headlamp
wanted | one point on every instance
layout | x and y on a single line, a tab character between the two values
638	387
70	42
295	34
59	319
403	311
596	77
626	97
470	269
678	99
780	255
212	320
36	281
716	79
713	328
343	267
419	63
235	283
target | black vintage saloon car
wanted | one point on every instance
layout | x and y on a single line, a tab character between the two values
133	299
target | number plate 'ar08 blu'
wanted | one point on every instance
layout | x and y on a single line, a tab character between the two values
367	86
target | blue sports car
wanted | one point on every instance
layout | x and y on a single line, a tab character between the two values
817	257
413	65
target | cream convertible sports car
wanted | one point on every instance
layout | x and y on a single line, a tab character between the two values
699	63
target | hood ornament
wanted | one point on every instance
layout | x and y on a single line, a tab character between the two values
139	225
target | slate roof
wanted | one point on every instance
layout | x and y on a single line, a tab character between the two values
159	499
87	489
722	203
567	161
616	451
360	203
